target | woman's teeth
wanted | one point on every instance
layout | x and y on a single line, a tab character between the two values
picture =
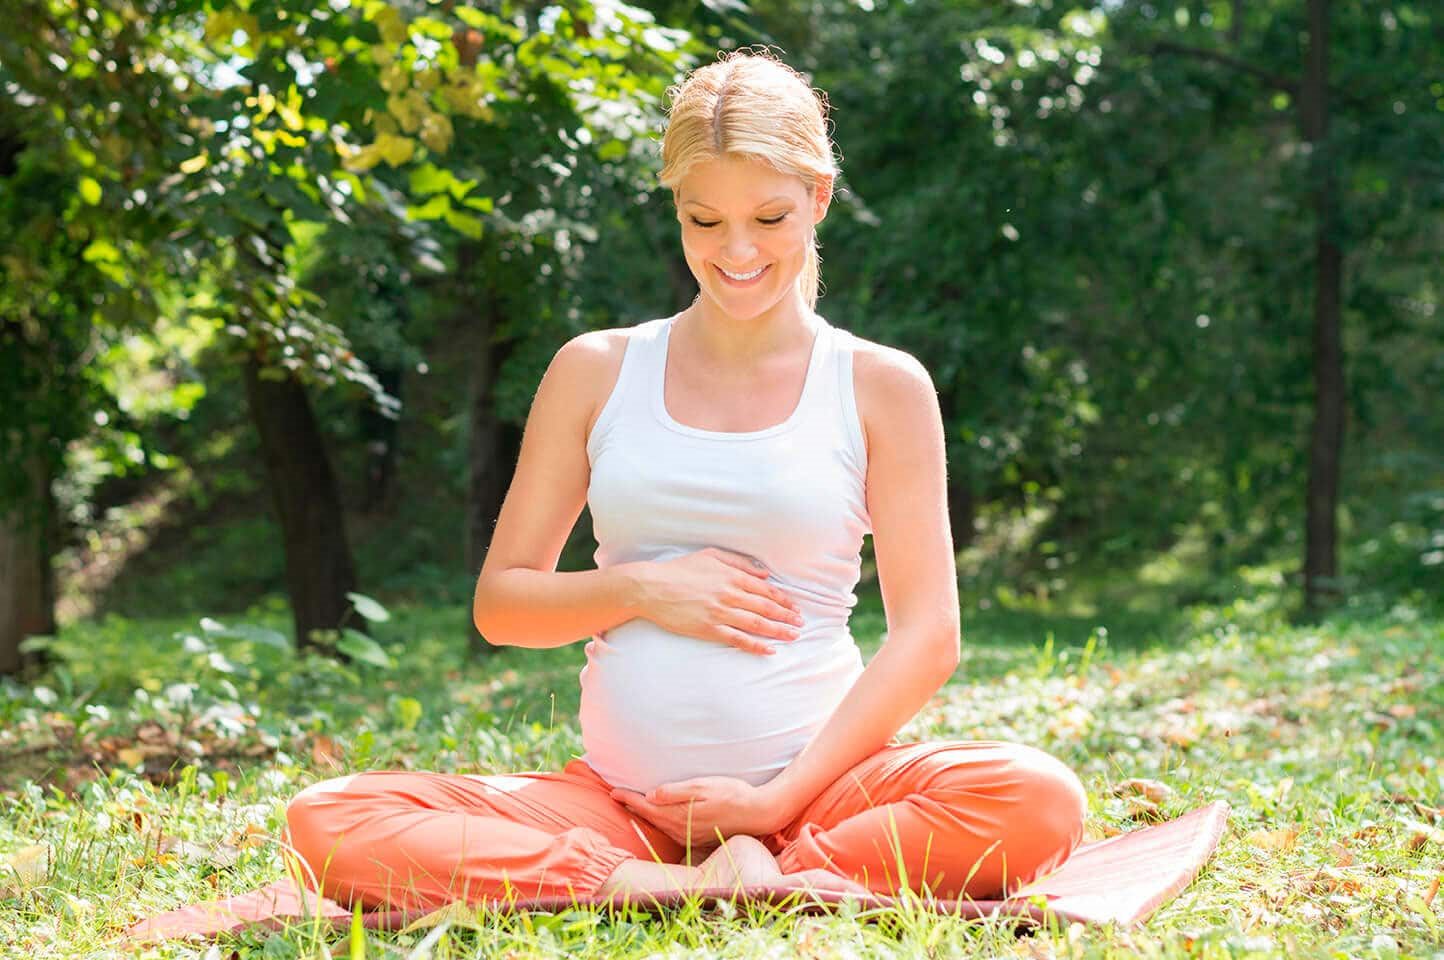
743	276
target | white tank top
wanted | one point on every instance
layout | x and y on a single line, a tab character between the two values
657	706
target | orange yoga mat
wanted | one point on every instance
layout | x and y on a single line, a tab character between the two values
1122	880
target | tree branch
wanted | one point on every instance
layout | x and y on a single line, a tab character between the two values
1272	80
1269	78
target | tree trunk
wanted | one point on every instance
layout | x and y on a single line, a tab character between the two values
684	284
379	433
319	571
962	510
1326	444
492	445
27	579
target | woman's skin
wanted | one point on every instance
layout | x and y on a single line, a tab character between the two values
740	862
751	344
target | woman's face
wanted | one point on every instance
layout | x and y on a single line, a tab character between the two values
742	218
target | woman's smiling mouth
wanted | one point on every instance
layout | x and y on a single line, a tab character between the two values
743	279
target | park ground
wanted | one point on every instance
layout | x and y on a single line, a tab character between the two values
153	766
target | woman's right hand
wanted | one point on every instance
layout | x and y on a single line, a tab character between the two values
721	596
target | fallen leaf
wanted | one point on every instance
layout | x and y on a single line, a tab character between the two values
1151	789
1179	737
1423	834
1402	711
457	911
1419	806
154	733
325	752
1433	892
220	855
1380	721
28	865
252	835
1333	880
1276	840
1143	809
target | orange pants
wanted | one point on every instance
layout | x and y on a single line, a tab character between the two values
965	818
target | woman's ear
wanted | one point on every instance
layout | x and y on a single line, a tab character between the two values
822	197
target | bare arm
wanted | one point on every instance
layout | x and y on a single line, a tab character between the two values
907	499
521	599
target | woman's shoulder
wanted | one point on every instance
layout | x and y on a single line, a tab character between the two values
887	371
893	388
597	354
590	364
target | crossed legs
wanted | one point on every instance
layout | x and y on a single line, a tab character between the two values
961	818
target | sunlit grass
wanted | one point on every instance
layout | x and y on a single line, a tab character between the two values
1325	741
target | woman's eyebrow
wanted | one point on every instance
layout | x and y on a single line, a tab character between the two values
699	203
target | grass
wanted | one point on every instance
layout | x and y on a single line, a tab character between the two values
152	768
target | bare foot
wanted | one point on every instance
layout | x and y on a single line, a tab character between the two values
824	880
739	862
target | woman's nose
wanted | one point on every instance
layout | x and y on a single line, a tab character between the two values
738	247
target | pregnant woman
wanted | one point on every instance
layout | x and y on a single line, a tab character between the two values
733	456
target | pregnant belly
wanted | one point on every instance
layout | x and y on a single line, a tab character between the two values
657	706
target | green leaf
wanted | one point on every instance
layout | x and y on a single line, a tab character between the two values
358	934
368	608
246	631
90	190
114	272
262	635
101	250
429	178
465	224
433	209
36	643
458	188
358	646
408	711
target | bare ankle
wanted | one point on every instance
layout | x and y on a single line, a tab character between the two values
646	876
741	861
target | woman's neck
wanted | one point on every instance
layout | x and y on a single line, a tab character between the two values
731	343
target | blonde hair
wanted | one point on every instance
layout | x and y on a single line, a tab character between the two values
751	104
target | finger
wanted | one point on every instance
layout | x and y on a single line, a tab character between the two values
639	803
666	819
760	626
742	562
771	591
673	792
743	641
640	807
764	606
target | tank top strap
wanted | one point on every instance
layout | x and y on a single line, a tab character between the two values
642	359
819	389
844	347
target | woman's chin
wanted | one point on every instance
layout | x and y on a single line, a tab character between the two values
742	305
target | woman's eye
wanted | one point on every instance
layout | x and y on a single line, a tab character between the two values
771	223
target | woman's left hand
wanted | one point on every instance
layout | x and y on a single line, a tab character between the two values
693	812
